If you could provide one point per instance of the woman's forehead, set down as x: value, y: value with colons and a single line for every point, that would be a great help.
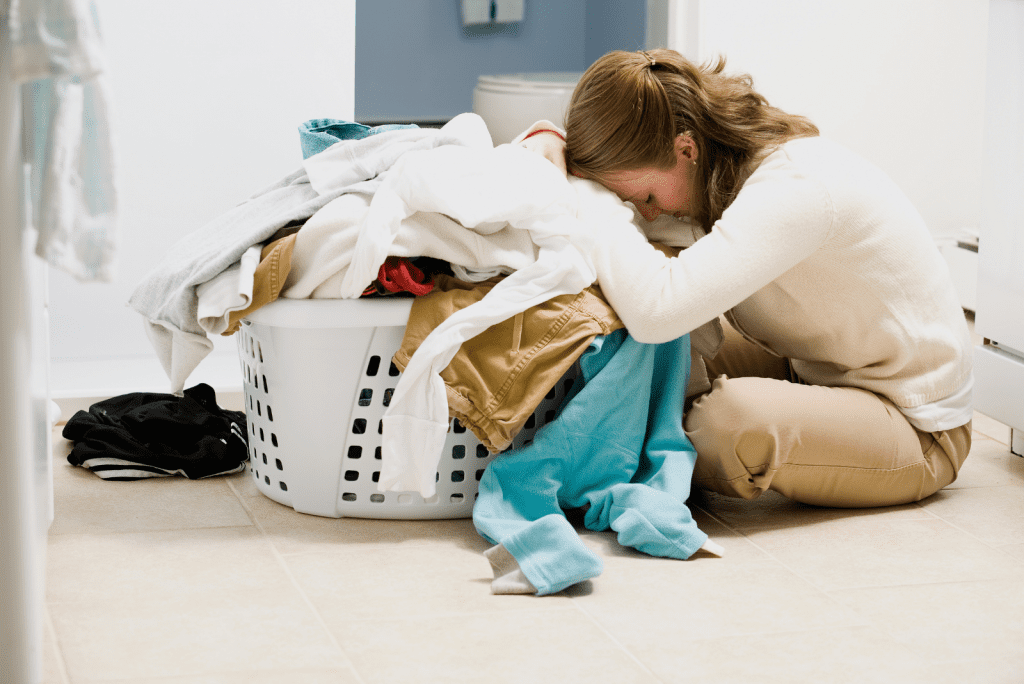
x: 635, y: 180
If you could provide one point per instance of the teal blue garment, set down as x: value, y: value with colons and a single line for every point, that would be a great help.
x: 316, y: 135
x: 616, y: 448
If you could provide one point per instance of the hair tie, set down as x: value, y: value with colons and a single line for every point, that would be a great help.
x: 649, y: 58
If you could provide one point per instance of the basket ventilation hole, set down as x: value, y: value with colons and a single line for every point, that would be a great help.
x: 376, y: 453
x: 380, y: 427
x: 551, y: 394
x: 393, y: 370
x: 266, y: 478
x: 549, y: 416
x: 365, y: 396
x: 259, y: 350
x: 284, y: 487
x: 355, y: 451
x: 458, y: 476
x: 253, y: 426
x: 567, y: 385
x: 264, y: 459
x: 377, y: 498
x: 387, y: 395
x: 251, y: 402
x: 359, y: 426
x: 273, y: 437
x: 530, y: 422
x: 481, y: 451
x: 458, y: 427
x: 259, y: 410
x: 351, y: 475
x: 374, y: 366
x: 278, y: 463
x: 348, y: 496
x: 256, y: 382
x: 270, y: 414
x: 265, y: 388
x: 261, y: 435
x: 376, y: 476
x: 457, y: 498
x: 479, y: 474
x: 459, y: 451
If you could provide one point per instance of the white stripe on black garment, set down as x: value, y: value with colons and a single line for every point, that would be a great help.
x: 119, y: 469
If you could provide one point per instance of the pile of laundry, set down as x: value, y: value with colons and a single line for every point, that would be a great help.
x: 485, y: 238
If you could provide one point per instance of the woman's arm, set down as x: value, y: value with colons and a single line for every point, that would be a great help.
x: 778, y: 219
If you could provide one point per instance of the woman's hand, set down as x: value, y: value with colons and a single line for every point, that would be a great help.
x: 549, y: 145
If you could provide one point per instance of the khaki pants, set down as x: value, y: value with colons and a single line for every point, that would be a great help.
x: 760, y: 428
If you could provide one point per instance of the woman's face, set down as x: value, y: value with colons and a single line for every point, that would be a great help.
x: 654, y: 191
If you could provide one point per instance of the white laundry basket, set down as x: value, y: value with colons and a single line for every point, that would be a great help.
x: 317, y: 378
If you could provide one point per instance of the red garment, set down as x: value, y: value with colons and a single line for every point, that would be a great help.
x: 399, y: 274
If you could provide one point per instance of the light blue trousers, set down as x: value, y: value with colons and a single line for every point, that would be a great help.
x: 617, y: 448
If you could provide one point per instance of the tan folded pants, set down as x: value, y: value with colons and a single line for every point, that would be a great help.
x: 760, y: 428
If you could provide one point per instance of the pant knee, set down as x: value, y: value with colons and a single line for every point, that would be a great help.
x: 734, y: 437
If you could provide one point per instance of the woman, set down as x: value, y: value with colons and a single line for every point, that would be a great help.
x: 845, y: 374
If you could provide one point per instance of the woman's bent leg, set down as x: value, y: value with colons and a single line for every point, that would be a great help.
x: 827, y: 446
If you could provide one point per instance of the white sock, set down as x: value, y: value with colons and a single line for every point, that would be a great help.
x: 508, y: 576
x: 712, y: 547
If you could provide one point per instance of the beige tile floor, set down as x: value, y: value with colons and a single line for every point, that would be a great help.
x: 178, y: 582
x: 172, y: 581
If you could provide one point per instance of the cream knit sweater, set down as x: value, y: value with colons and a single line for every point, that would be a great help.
x: 820, y: 259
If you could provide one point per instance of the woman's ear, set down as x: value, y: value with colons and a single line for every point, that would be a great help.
x: 686, y: 149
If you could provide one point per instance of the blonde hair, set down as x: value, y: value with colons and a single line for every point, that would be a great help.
x: 629, y: 107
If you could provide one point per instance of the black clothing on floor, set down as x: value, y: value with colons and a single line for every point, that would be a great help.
x: 142, y: 435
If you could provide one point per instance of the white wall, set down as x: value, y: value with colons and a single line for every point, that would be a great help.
x: 902, y: 82
x: 208, y: 95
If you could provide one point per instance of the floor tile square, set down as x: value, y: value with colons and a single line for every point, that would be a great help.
x: 947, y: 622
x: 881, y: 551
x: 552, y: 645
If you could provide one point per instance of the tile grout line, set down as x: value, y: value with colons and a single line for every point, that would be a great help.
x: 632, y: 656
x: 282, y: 562
x: 62, y: 666
x: 881, y: 629
x: 800, y: 575
x: 923, y: 508
x: 291, y: 578
x: 993, y: 546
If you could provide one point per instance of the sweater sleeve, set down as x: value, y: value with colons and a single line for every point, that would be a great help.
x: 779, y: 218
